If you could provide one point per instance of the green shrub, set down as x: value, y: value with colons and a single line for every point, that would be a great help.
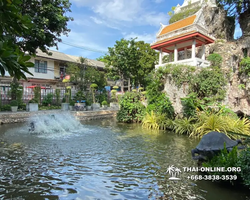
x: 48, y: 99
x: 244, y: 164
x: 210, y: 82
x: 215, y: 59
x: 71, y: 102
x: 14, y: 103
x: 161, y: 105
x: 184, y: 126
x: 6, y: 107
x: 79, y: 96
x: 190, y: 105
x: 131, y: 109
x: 33, y: 100
x: 184, y: 14
x: 245, y: 66
x: 104, y: 103
x: 224, y: 159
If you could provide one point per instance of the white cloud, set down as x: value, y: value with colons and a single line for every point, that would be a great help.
x: 79, y: 40
x: 120, y: 13
x: 148, y: 38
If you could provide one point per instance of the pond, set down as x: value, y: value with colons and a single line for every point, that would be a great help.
x: 99, y: 159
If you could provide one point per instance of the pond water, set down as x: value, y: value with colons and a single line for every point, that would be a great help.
x: 99, y: 160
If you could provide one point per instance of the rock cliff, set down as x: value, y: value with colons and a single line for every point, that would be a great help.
x: 232, y: 51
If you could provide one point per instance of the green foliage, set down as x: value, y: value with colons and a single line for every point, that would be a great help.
x: 113, y: 96
x: 49, y: 107
x: 63, y: 100
x: 244, y: 163
x: 16, y: 91
x: 71, y: 102
x: 6, y: 107
x: 223, y: 159
x: 104, y: 103
x: 57, y: 96
x: 102, y: 96
x: 47, y: 99
x: 37, y: 94
x: 83, y: 75
x: 130, y: 59
x: 131, y: 109
x: 241, y: 86
x: 184, y: 126
x: 245, y: 66
x: 184, y: 14
x: 14, y: 103
x: 210, y: 82
x: 79, y: 96
x: 190, y: 104
x: 33, y: 100
x: 215, y: 59
x: 93, y: 87
x: 161, y: 105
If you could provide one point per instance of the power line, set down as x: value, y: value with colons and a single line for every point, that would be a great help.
x: 85, y: 48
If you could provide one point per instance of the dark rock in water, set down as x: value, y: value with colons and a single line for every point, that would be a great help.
x: 211, y: 144
x: 32, y: 126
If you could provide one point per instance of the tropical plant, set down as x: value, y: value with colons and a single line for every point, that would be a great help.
x: 57, y: 96
x: 230, y: 125
x: 131, y: 109
x: 184, y: 126
x: 37, y: 94
x: 224, y: 159
x: 93, y: 88
x: 190, y: 105
x: 48, y: 99
x: 79, y: 96
x: 150, y: 121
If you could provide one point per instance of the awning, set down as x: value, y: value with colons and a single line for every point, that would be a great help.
x: 33, y: 86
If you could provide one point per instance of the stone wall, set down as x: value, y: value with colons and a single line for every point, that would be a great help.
x: 7, y: 118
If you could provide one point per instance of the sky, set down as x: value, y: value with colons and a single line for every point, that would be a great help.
x: 98, y: 24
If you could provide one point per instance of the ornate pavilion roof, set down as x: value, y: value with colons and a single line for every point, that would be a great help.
x: 191, y: 27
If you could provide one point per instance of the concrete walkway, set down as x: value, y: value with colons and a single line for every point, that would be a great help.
x: 22, y: 116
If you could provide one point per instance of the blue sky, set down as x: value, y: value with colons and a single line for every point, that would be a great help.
x: 99, y: 23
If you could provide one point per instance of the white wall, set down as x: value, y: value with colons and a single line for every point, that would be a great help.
x: 48, y: 75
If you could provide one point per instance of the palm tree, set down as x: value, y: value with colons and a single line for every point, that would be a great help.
x: 171, y: 170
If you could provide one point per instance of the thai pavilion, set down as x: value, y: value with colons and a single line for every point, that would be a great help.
x: 182, y: 38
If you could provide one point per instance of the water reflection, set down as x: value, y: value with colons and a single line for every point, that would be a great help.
x: 101, y: 160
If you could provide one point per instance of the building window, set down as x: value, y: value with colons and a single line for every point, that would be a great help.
x: 41, y: 66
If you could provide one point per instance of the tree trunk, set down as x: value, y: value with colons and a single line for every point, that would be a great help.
x: 122, y: 84
x: 129, y: 87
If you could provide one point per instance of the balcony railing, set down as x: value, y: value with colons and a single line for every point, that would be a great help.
x: 192, y: 62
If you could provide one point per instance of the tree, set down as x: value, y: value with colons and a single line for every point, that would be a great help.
x: 83, y: 75
x: 26, y: 25
x: 146, y: 59
x: 117, y: 61
x: 129, y: 59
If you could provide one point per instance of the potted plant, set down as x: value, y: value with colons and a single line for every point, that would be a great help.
x: 114, y: 104
x: 105, y: 104
x: 93, y: 87
x: 14, y: 105
x: 33, y: 105
x: 88, y: 104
